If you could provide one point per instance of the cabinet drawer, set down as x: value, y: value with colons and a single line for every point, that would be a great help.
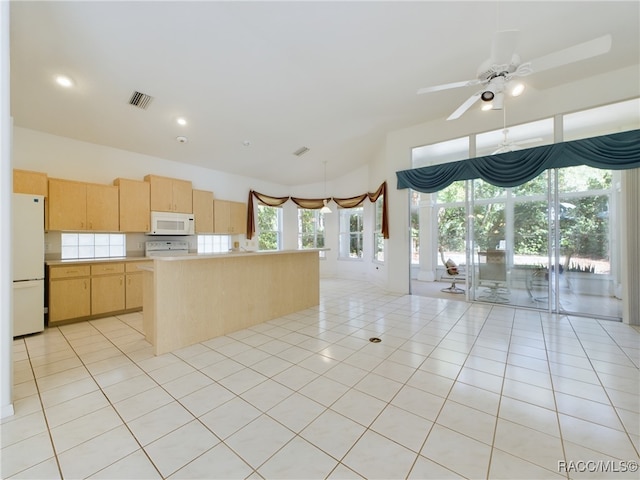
x: 132, y: 267
x: 69, y: 271
x: 107, y: 268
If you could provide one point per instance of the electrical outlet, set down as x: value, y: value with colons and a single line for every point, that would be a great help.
x: 47, y: 247
x: 140, y: 245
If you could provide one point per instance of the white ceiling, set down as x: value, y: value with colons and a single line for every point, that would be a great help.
x: 331, y: 76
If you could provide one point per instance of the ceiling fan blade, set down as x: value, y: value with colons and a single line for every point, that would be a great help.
x: 465, y: 106
x: 447, y: 86
x: 582, y: 51
x: 504, y: 46
x: 529, y: 140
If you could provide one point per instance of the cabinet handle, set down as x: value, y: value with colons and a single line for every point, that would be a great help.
x: 85, y: 284
x: 71, y: 271
x: 120, y: 280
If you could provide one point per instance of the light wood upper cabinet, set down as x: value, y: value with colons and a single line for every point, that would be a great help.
x: 203, y: 211
x: 170, y: 194
x: 82, y: 206
x: 135, y: 205
x: 67, y: 205
x: 182, y: 196
x: 102, y: 208
x: 229, y: 217
x: 238, y: 217
x: 33, y: 183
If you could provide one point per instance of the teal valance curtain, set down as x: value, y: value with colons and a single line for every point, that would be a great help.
x: 618, y: 151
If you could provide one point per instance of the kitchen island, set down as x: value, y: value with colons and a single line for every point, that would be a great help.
x: 193, y: 298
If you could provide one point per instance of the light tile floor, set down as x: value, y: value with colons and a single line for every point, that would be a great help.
x: 453, y: 390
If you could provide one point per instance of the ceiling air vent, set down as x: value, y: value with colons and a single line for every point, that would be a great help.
x: 140, y: 100
x: 301, y: 151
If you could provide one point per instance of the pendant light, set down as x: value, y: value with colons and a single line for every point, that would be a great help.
x: 325, y: 208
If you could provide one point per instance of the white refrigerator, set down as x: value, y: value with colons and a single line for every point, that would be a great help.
x: 28, y: 264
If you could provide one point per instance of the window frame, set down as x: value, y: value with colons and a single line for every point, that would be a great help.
x: 358, y: 234
x: 85, y: 245
x: 378, y: 238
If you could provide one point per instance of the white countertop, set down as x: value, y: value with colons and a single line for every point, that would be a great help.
x: 190, y: 256
x: 241, y: 253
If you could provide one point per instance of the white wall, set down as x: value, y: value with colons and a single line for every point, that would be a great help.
x: 62, y: 157
x: 6, y: 344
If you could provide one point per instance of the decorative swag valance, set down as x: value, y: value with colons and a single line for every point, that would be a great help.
x: 317, y: 203
x: 618, y: 151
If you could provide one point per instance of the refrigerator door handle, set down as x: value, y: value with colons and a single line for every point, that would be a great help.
x: 26, y: 283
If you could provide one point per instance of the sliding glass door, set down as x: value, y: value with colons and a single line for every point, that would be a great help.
x: 587, y: 272
x: 546, y: 244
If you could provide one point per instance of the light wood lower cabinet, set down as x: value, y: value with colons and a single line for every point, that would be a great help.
x: 133, y: 285
x: 93, y: 290
x: 107, y: 288
x: 69, y: 292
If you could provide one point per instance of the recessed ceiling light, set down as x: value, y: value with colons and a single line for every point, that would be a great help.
x: 64, y: 81
x: 181, y: 121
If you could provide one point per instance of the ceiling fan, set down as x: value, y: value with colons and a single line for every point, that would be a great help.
x: 495, y: 73
x: 507, y: 145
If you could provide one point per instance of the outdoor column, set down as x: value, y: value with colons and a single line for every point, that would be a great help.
x: 427, y: 271
x: 630, y: 246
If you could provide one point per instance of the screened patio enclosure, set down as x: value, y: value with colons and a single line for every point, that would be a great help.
x: 538, y: 228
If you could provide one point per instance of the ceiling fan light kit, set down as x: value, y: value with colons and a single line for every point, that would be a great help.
x: 496, y: 73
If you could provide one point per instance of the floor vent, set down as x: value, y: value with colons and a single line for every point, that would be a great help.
x: 140, y: 100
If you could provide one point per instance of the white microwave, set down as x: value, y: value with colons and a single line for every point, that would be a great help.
x: 172, y: 223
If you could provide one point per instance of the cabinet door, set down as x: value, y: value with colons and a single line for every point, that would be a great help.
x: 221, y: 210
x: 34, y: 183
x: 238, y: 217
x: 134, y: 205
x: 67, y: 205
x: 203, y: 211
x: 107, y: 294
x: 133, y: 293
x: 161, y: 193
x: 182, y: 196
x: 102, y: 208
x: 69, y: 298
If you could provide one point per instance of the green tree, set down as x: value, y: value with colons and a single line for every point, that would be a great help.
x: 268, y: 227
